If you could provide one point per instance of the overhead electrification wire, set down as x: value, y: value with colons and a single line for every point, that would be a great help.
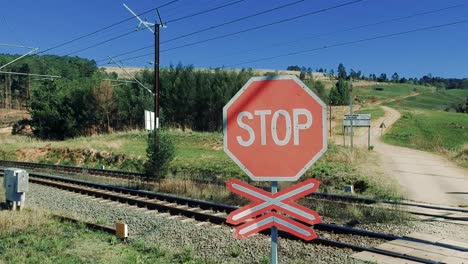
x: 105, y: 28
x: 133, y: 31
x: 351, y: 42
x: 253, y: 28
x: 203, y: 12
x: 210, y: 28
x: 347, y: 29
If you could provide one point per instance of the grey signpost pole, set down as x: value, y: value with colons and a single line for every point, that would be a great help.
x: 274, y: 231
x: 368, y: 137
x: 344, y: 135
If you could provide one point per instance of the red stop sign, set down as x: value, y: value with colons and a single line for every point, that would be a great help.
x: 275, y: 128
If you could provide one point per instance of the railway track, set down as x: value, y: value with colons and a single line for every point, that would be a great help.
x: 425, y: 211
x: 216, y: 213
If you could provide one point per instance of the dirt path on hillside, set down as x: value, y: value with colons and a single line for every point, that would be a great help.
x: 424, y: 177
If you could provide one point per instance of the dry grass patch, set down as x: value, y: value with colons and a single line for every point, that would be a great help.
x: 15, y: 221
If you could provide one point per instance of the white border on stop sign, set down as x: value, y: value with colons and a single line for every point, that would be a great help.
x: 324, y: 127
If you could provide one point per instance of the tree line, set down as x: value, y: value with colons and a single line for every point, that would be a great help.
x: 439, y: 82
x: 86, y: 100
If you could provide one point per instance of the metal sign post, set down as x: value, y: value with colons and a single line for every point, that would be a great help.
x: 357, y: 120
x: 274, y: 231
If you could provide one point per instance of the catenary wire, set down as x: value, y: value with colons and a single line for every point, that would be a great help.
x: 133, y: 31
x: 210, y: 28
x: 350, y: 42
x: 251, y: 29
x: 105, y: 28
x: 346, y: 29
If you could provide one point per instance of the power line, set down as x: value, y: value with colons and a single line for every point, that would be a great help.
x: 351, y: 42
x: 351, y: 29
x: 133, y: 31
x: 210, y: 28
x: 105, y: 41
x: 253, y: 28
x: 30, y: 74
x: 266, y: 25
x: 203, y: 12
x: 105, y: 28
x: 15, y: 46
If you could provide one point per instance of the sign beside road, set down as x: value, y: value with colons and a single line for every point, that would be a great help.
x: 359, y: 120
x: 275, y: 128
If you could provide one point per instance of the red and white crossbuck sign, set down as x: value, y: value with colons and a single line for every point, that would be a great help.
x: 269, y: 205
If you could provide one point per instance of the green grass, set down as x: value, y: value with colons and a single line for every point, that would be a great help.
x: 366, y: 94
x: 198, y: 156
x: 430, y: 130
x: 42, y: 239
x: 375, y: 111
x: 425, y: 126
x: 431, y: 100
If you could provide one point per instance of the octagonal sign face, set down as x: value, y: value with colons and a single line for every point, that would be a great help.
x: 275, y: 128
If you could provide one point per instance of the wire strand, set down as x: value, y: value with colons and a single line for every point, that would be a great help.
x: 350, y: 42
x: 131, y: 32
x: 105, y: 28
x: 253, y: 28
x: 209, y: 28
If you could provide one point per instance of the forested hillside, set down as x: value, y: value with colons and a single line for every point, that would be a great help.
x: 81, y: 99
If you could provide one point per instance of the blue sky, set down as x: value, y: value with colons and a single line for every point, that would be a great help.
x: 441, y: 52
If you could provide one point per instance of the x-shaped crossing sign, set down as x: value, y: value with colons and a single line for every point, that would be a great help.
x: 269, y: 205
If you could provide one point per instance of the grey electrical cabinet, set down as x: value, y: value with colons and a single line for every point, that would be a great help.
x: 15, y: 183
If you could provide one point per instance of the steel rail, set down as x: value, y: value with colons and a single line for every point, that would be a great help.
x: 134, y: 175
x: 116, y: 194
x: 206, y: 205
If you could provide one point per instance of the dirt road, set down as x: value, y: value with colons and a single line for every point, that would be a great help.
x: 424, y: 177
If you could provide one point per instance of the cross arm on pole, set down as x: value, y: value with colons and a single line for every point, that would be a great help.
x: 19, y: 58
x: 130, y: 75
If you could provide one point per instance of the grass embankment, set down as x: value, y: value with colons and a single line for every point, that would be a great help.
x: 201, y: 156
x: 386, y: 91
x: 426, y: 127
x: 198, y: 155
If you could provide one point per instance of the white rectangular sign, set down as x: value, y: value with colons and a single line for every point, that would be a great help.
x: 359, y: 120
x: 149, y: 121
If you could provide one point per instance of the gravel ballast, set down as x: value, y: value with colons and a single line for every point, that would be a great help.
x: 216, y: 243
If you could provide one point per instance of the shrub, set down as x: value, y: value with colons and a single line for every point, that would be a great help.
x: 160, y: 152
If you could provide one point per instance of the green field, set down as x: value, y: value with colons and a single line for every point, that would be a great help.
x: 368, y: 94
x: 431, y: 100
x: 425, y: 126
x: 375, y: 111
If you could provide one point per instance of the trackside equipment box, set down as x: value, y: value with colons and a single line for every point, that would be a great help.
x: 15, y: 183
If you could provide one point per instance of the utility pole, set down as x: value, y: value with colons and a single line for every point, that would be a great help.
x: 351, y: 110
x: 156, y: 75
x: 156, y: 31
x: 330, y: 117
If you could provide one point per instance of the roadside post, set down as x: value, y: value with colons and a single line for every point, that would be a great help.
x: 357, y: 120
x: 351, y: 136
x: 275, y: 128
